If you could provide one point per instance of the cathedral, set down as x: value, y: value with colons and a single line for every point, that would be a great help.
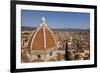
x: 42, y: 44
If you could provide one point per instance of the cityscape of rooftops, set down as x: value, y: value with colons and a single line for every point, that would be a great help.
x: 31, y: 18
x: 66, y: 40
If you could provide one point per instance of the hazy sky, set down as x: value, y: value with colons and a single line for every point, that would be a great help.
x: 56, y: 19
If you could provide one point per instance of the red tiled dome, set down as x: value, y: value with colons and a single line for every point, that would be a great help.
x: 43, y: 38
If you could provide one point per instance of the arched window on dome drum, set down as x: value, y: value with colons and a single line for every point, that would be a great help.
x: 51, y: 53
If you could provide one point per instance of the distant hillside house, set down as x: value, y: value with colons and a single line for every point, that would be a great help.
x: 42, y: 43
